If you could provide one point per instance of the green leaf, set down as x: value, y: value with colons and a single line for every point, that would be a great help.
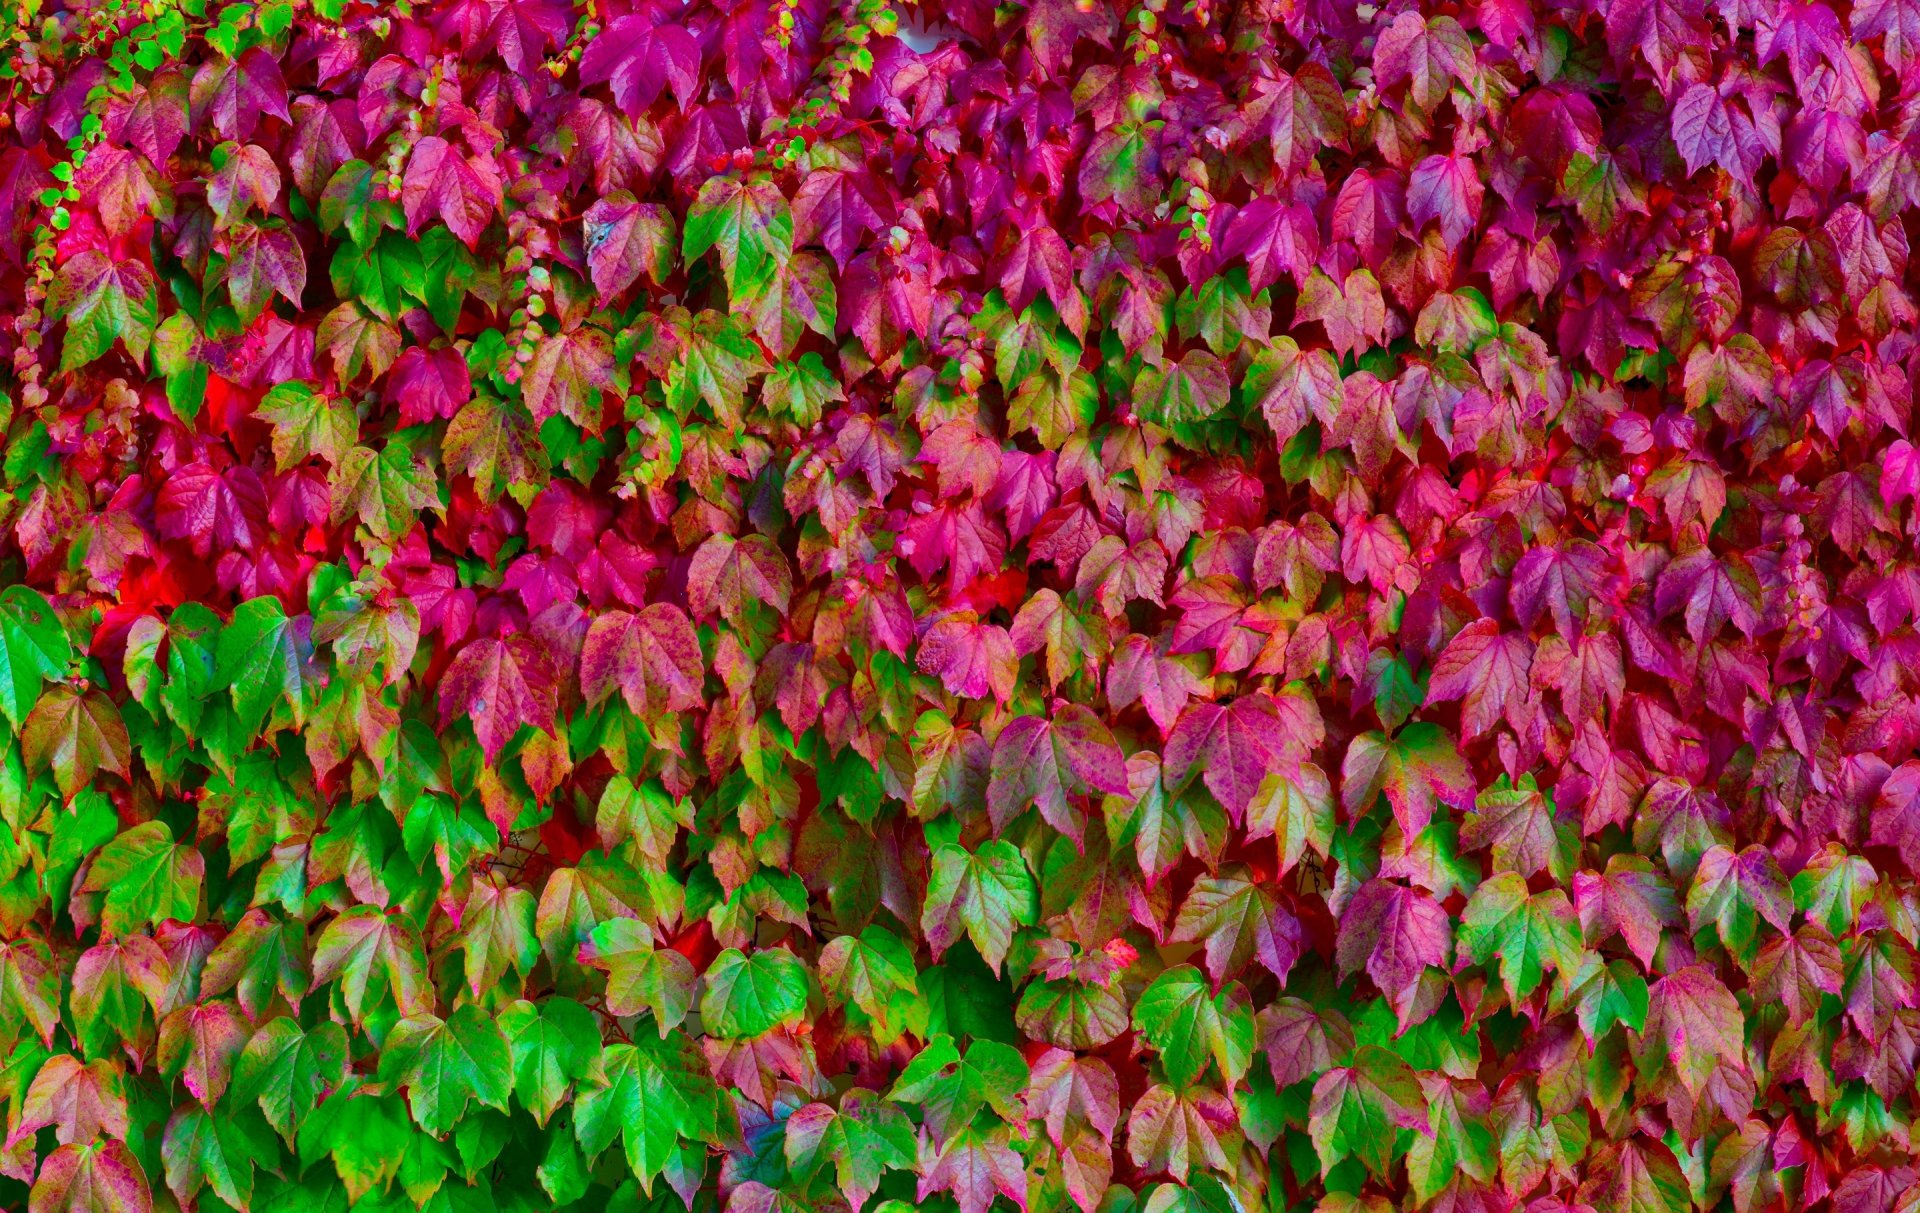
x: 874, y: 971
x: 641, y: 977
x: 34, y: 649
x: 752, y: 995
x: 202, y: 1150
x: 265, y: 659
x: 385, y: 490
x: 1357, y: 1109
x: 864, y: 1138
x: 951, y: 1089
x: 652, y: 1094
x: 554, y: 1043
x: 445, y: 1063
x: 147, y: 879
x: 986, y: 893
x: 1529, y: 934
x: 1188, y: 1023
x: 307, y: 423
x: 373, y: 953
x: 749, y: 223
x: 285, y: 1070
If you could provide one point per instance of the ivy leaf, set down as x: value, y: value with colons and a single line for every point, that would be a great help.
x: 1418, y: 769
x: 641, y: 977
x: 874, y: 971
x: 34, y: 649
x: 652, y: 657
x: 307, y: 423
x: 1734, y: 892
x: 651, y: 1094
x: 864, y: 1138
x: 98, y: 1177
x: 626, y: 238
x: 730, y: 576
x: 146, y: 878
x: 1357, y: 1109
x: 103, y: 301
x: 286, y: 1069
x: 1238, y: 921
x: 462, y: 191
x: 554, y: 1043
x: 385, y: 490
x: 263, y: 260
x: 496, y: 444
x: 374, y: 953
x: 500, y: 684
x: 1189, y: 1024
x: 202, y: 1150
x: 1528, y: 932
x: 952, y: 1089
x: 568, y: 373
x: 1041, y: 763
x: 748, y: 222
x: 986, y: 892
x: 1193, y: 389
x: 445, y: 1063
x: 77, y: 735
x: 752, y: 995
x: 639, y: 58
x: 265, y: 659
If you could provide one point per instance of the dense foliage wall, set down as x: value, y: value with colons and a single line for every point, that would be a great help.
x: 775, y: 606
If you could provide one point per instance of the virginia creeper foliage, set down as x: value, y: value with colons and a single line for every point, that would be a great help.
x: 865, y: 605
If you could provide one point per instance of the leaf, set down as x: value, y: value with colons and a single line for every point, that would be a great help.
x: 1179, y: 1132
x: 569, y: 372
x: 874, y: 971
x: 1698, y: 1023
x: 497, y: 445
x: 373, y: 954
x: 215, y: 1152
x: 1238, y: 921
x: 34, y: 650
x: 462, y: 191
x: 146, y: 879
x: 651, y: 1094
x: 1233, y: 747
x: 554, y: 1043
x: 1189, y: 1024
x: 1418, y: 769
x: 640, y: 58
x: 286, y: 1070
x: 307, y: 423
x: 263, y: 260
x: 103, y: 301
x: 1528, y: 932
x: 446, y: 1063
x: 652, y: 657
x: 1397, y: 935
x: 986, y: 892
x: 729, y: 575
x: 1488, y: 669
x: 384, y: 490
x: 1041, y: 763
x: 863, y: 1138
x: 626, y: 238
x: 1734, y: 892
x: 1193, y: 389
x: 750, y: 224
x: 500, y: 685
x: 265, y: 659
x: 77, y: 735
x: 100, y: 1177
x: 752, y: 995
x: 1356, y: 1109
x: 952, y: 1088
